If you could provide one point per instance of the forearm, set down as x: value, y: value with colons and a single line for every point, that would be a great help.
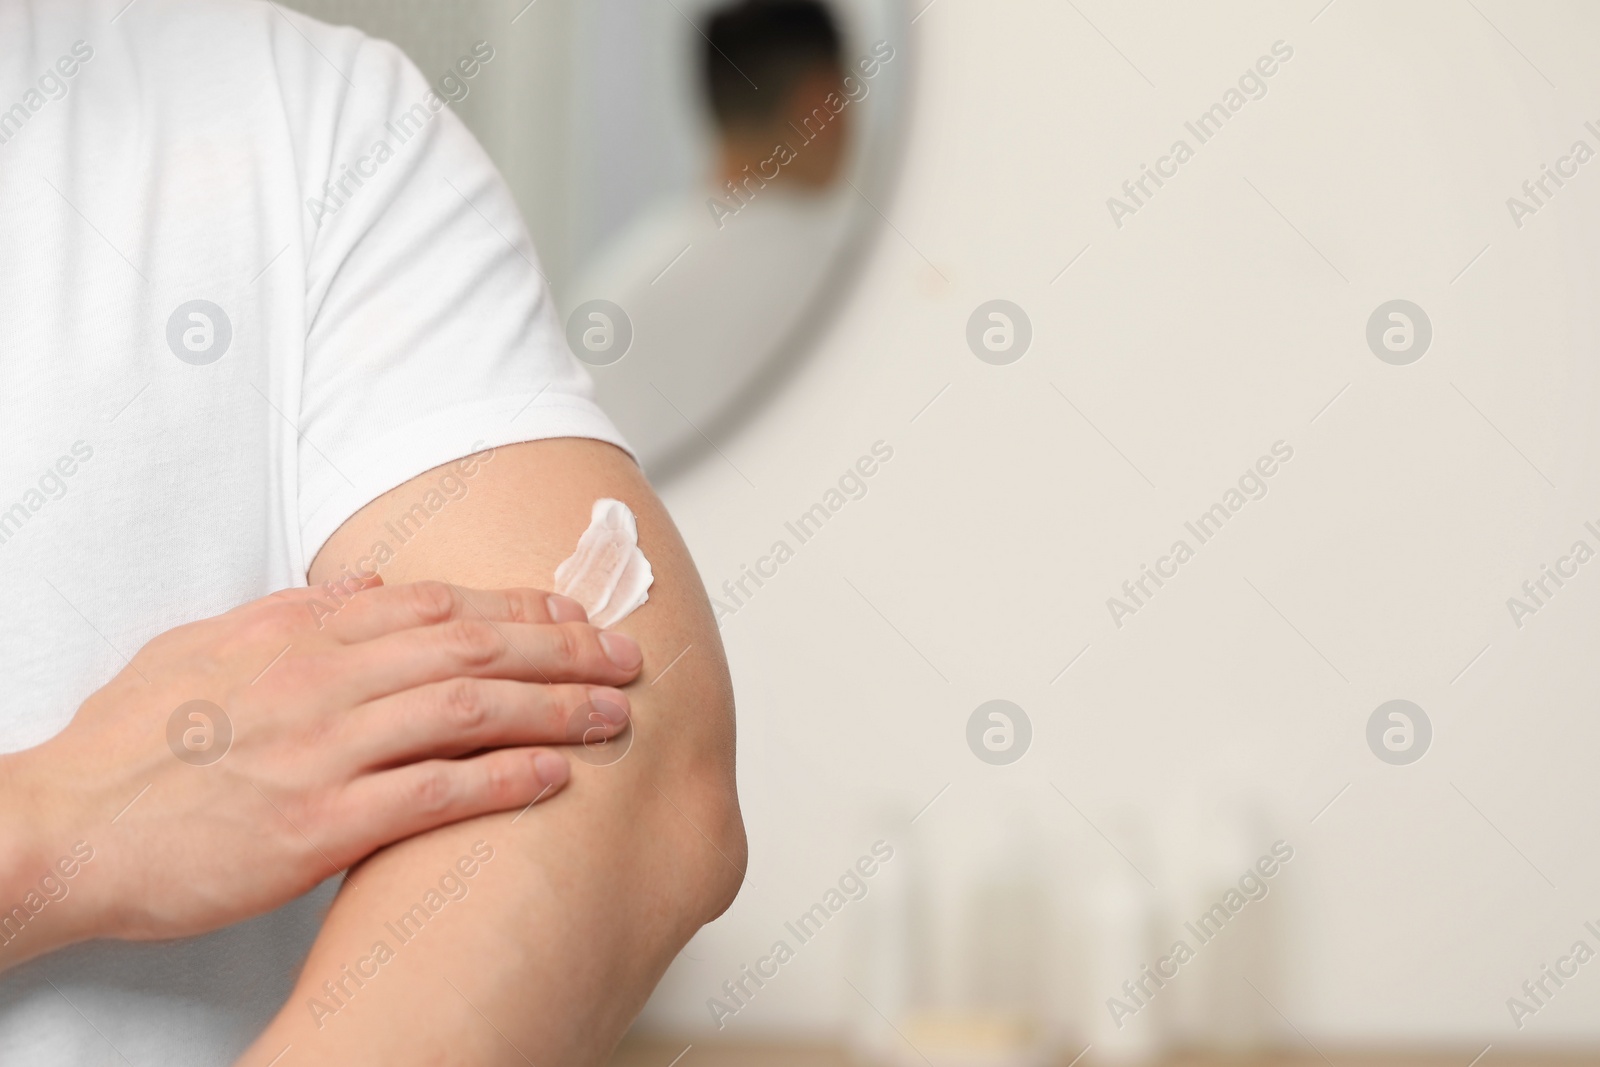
x: 45, y: 867
x: 562, y: 934
x: 569, y: 917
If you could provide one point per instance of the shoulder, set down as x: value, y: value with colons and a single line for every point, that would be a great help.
x: 243, y: 61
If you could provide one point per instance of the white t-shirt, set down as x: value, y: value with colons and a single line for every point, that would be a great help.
x: 210, y: 358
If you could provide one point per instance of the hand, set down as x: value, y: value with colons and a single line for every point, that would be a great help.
x: 328, y: 734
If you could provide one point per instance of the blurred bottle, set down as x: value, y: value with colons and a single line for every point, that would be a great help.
x: 1120, y: 939
x: 971, y: 924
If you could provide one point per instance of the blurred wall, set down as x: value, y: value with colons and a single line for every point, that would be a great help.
x: 632, y: 142
x: 1168, y: 353
x: 519, y: 106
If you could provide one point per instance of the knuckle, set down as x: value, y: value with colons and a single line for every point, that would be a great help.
x: 326, y: 733
x: 583, y: 714
x: 300, y: 670
x: 572, y: 703
x: 524, y: 605
x: 463, y: 705
x: 316, y: 811
x: 473, y: 643
x: 430, y: 792
x: 432, y: 601
x: 505, y: 779
x: 570, y: 644
x: 275, y: 618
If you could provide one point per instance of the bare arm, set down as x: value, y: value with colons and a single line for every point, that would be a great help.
x: 548, y: 948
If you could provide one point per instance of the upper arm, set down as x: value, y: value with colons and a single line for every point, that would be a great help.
x: 430, y: 334
x: 592, y: 892
x: 513, y: 514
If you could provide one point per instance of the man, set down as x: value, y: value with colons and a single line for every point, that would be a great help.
x: 715, y: 279
x: 270, y: 315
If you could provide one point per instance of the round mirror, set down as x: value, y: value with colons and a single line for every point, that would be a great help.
x: 696, y: 175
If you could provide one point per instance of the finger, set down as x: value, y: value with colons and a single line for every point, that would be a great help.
x: 388, y: 609
x: 389, y: 806
x: 474, y: 648
x: 462, y: 715
x: 329, y: 593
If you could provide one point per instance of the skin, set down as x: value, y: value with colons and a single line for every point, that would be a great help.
x: 344, y: 737
x: 587, y: 898
x: 817, y: 162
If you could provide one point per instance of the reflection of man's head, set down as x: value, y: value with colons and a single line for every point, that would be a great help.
x: 775, y: 78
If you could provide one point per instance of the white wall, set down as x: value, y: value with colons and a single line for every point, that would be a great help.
x: 1222, y: 317
x: 1203, y: 330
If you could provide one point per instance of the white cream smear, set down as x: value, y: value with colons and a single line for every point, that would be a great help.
x: 607, y: 573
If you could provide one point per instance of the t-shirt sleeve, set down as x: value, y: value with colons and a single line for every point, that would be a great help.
x: 430, y: 329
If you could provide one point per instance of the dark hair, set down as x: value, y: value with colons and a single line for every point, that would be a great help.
x: 770, y: 43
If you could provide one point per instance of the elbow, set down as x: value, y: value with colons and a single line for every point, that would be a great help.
x: 729, y: 879
x: 719, y: 877
x: 720, y: 872
x: 703, y: 807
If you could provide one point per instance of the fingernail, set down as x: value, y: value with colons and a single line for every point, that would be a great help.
x: 610, y: 706
x: 621, y: 650
x: 565, y: 609
x: 551, y: 768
